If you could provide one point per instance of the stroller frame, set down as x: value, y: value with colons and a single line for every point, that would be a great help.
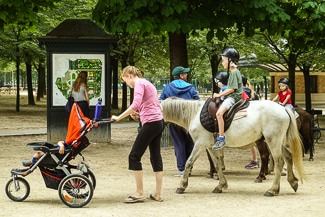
x: 75, y: 189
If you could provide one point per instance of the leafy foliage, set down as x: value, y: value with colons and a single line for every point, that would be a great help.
x: 23, y: 13
x: 155, y: 16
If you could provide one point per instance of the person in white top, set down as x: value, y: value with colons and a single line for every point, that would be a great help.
x: 79, y: 93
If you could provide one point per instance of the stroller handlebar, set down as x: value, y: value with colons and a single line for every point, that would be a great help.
x: 103, y: 121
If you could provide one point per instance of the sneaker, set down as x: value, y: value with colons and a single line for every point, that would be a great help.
x: 221, y: 141
x: 252, y: 165
x: 179, y: 173
x: 26, y: 164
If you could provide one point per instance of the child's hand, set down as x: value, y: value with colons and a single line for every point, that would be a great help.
x: 216, y: 95
x: 61, y: 144
x: 61, y: 151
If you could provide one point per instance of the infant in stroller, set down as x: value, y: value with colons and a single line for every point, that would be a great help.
x: 78, y: 126
x: 61, y: 146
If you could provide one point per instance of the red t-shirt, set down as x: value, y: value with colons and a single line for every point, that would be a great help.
x: 283, y: 96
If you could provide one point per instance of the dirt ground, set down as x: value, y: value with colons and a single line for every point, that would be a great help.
x: 115, y: 182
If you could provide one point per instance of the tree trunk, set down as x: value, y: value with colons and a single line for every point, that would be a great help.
x: 41, y: 87
x: 306, y: 70
x: 292, y: 62
x: 214, y: 68
x: 178, y: 52
x: 17, y: 83
x: 38, y: 94
x: 124, y: 88
x: 114, y: 70
x: 29, y: 84
x: 265, y: 87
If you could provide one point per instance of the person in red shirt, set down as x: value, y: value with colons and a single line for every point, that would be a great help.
x: 284, y: 95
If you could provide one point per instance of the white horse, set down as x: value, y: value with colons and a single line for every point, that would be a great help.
x: 264, y: 119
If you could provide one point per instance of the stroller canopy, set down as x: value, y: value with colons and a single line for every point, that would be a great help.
x: 78, y: 125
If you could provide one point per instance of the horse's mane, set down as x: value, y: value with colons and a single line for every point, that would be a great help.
x: 180, y: 111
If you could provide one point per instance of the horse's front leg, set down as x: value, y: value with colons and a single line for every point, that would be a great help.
x: 197, y: 150
x: 218, y: 157
x: 213, y: 169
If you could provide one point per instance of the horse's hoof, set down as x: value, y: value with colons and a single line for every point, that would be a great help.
x: 268, y: 194
x: 180, y: 190
x: 258, y: 181
x: 210, y: 176
x: 311, y: 159
x: 295, y: 187
x: 217, y: 191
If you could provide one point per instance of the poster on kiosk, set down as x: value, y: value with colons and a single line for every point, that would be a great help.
x: 65, y: 71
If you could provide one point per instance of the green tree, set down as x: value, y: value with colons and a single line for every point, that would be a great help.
x: 300, y: 38
x: 18, y: 17
x: 178, y: 18
x: 24, y: 12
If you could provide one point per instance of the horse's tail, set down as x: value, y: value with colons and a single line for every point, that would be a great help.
x: 295, y: 143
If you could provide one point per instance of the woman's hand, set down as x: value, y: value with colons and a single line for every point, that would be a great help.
x: 215, y: 95
x: 114, y: 117
x: 135, y: 115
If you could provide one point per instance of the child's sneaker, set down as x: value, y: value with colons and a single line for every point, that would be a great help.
x: 179, y: 173
x: 221, y: 141
x: 26, y: 164
x: 252, y: 165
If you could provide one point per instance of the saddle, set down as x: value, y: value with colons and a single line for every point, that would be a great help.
x: 208, y: 113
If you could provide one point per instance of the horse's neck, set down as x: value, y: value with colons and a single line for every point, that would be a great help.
x: 178, y: 122
x: 180, y: 112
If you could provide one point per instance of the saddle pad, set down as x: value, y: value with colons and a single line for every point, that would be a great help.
x: 208, y: 122
x: 206, y: 119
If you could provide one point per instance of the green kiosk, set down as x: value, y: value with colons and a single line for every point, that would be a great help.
x: 77, y: 45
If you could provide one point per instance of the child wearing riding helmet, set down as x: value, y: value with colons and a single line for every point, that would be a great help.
x: 221, y: 80
x: 232, y: 94
x: 284, y: 95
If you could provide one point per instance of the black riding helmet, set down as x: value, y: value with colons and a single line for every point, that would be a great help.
x: 221, y: 76
x: 231, y: 53
x: 284, y: 81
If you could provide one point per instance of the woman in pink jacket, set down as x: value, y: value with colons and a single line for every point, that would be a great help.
x: 146, y: 102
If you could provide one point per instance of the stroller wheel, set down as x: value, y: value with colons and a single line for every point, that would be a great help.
x: 17, y: 189
x: 75, y: 190
x: 90, y: 175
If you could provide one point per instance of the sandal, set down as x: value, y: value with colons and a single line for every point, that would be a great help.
x: 131, y: 199
x: 152, y: 197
